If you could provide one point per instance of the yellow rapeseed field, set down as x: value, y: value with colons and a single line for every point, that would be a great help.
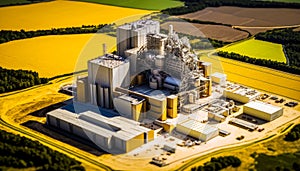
x: 57, y: 14
x: 262, y: 78
x: 54, y: 55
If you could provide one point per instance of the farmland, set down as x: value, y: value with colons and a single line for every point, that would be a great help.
x: 258, y: 49
x: 250, y: 17
x: 58, y: 14
x: 53, y: 55
x: 218, y: 32
x: 262, y: 78
x: 145, y: 4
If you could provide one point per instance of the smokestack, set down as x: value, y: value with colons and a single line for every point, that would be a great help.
x: 104, y: 48
x: 170, y: 29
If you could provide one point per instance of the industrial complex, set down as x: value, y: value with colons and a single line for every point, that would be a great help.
x: 156, y: 84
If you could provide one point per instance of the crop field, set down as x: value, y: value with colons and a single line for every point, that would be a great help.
x: 218, y: 32
x: 258, y: 77
x: 145, y: 4
x: 54, y: 55
x: 57, y: 14
x: 251, y: 17
x: 258, y: 49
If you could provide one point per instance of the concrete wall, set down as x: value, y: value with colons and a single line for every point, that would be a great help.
x: 263, y: 115
x: 196, y: 134
x: 236, y: 97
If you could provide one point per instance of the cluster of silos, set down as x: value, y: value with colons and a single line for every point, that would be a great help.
x: 133, y: 35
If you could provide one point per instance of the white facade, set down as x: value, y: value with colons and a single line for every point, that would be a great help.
x: 263, y: 110
x: 116, y: 135
x: 219, y: 78
x: 133, y: 35
x: 104, y: 75
x: 196, y: 129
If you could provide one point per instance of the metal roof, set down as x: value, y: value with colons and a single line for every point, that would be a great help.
x: 126, y: 128
x: 264, y: 107
x: 198, y: 126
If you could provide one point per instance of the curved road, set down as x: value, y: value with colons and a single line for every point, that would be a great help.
x: 237, y: 147
x: 78, y: 155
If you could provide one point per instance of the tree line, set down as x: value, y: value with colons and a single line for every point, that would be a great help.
x: 196, y: 5
x: 294, y: 134
x: 12, y: 3
x: 11, y: 80
x: 219, y: 163
x: 10, y: 35
x: 20, y: 152
x: 290, y: 40
x: 262, y: 62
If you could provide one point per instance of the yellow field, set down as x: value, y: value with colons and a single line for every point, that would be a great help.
x: 53, y: 55
x: 57, y: 14
x: 266, y: 79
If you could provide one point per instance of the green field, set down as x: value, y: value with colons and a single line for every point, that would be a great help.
x: 257, y: 49
x: 11, y: 2
x: 140, y: 4
x: 296, y: 1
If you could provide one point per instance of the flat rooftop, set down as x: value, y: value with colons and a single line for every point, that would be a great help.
x: 138, y: 24
x: 241, y: 90
x: 198, y: 126
x: 109, y: 60
x: 264, y: 107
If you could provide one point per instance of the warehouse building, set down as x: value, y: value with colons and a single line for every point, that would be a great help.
x: 240, y: 93
x: 263, y: 110
x: 198, y: 130
x: 115, y: 135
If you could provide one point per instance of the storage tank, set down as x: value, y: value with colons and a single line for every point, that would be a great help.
x: 160, y: 61
x: 192, y: 98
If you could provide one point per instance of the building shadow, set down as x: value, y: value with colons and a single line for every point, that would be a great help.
x: 42, y: 112
x: 251, y: 119
x: 64, y: 137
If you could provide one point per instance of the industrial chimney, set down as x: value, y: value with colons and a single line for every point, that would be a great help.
x: 170, y: 29
x: 104, y: 48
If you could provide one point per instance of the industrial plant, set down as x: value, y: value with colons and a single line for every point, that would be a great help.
x: 154, y: 83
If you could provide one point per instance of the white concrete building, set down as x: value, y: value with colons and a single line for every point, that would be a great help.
x: 133, y: 35
x: 104, y: 75
x: 263, y: 110
x: 219, y: 78
x: 115, y: 135
x: 240, y: 93
x: 198, y: 130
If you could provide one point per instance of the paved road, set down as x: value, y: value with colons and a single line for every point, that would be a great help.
x: 236, y: 147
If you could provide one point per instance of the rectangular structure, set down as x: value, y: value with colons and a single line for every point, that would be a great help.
x: 196, y: 129
x: 116, y: 134
x: 263, y: 110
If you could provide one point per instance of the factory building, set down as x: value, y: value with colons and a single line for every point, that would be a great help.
x: 219, y: 78
x: 152, y: 77
x: 198, y: 130
x: 263, y: 110
x: 133, y: 35
x: 217, y: 113
x: 148, y: 61
x: 116, y: 135
x: 240, y: 93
